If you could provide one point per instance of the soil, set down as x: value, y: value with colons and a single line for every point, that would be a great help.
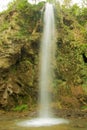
x: 62, y: 113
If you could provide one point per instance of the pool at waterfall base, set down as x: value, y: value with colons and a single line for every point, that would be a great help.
x: 39, y: 122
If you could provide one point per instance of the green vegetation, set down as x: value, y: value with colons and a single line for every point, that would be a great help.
x: 20, y: 35
x: 21, y: 108
x: 84, y: 108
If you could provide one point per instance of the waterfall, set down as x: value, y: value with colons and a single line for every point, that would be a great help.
x: 46, y: 64
x: 46, y: 57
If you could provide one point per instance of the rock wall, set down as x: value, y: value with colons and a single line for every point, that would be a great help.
x: 20, y: 35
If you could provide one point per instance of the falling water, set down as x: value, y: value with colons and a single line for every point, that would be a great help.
x: 46, y: 57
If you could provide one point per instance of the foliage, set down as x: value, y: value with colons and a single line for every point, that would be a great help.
x: 82, y: 16
x: 17, y: 4
x: 21, y: 107
x: 75, y: 10
x: 4, y: 26
x: 84, y: 108
x: 66, y: 3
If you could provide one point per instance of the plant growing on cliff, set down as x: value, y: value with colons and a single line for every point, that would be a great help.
x: 21, y: 107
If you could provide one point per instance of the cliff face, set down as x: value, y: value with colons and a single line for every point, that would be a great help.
x: 71, y: 65
x: 19, y: 48
x: 20, y: 36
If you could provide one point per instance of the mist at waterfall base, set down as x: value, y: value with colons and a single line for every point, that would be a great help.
x: 45, y: 118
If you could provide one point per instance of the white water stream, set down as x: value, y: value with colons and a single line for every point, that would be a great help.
x: 46, y: 57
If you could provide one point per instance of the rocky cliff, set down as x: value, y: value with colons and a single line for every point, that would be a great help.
x: 20, y: 35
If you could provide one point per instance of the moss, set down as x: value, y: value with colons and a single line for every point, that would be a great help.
x: 4, y: 26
